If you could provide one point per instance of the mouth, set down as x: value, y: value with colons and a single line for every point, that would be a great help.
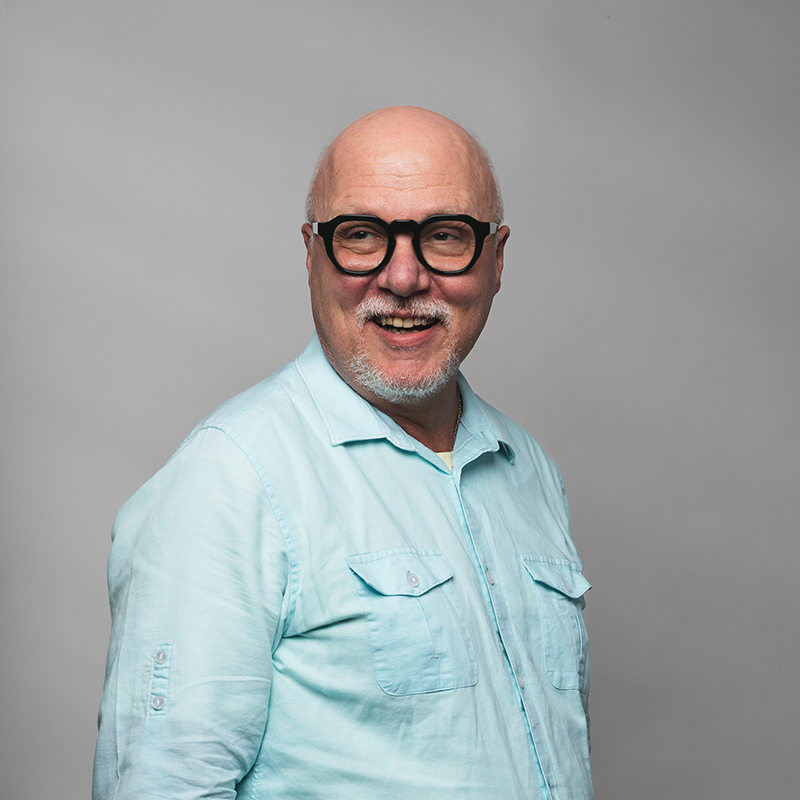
x: 403, y: 325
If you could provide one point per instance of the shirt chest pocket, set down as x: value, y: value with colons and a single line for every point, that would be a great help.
x: 417, y: 632
x: 559, y: 587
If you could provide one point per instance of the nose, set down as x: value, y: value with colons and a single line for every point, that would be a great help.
x: 404, y: 275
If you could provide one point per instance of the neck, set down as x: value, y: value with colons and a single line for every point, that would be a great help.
x: 434, y: 422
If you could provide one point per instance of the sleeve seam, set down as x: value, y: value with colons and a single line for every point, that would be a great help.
x: 280, y: 517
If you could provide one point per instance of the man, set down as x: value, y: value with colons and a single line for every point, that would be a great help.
x: 357, y: 579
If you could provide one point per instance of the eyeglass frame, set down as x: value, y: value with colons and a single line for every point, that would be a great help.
x: 480, y: 229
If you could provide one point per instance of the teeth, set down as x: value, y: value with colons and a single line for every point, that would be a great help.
x: 398, y: 322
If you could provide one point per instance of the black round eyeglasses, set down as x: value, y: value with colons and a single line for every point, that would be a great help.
x: 361, y: 244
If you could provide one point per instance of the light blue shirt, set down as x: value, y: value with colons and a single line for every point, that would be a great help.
x: 306, y: 603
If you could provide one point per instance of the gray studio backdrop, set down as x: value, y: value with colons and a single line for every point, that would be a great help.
x: 155, y: 157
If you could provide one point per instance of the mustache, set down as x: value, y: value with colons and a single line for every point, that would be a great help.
x: 415, y: 307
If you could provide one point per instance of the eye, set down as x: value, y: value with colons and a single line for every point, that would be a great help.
x: 361, y: 234
x: 358, y: 231
x: 359, y: 239
x: 450, y: 233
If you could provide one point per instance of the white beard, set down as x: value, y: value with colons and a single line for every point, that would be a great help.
x: 403, y: 388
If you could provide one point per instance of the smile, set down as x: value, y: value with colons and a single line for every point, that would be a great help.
x: 407, y: 325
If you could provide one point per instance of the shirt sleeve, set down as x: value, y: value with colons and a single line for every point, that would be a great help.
x: 198, y: 577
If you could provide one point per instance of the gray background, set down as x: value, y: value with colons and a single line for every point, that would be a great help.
x: 155, y: 157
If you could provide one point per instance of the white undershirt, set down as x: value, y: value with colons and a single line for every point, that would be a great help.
x: 447, y: 458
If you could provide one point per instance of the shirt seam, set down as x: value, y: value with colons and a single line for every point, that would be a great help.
x: 280, y: 517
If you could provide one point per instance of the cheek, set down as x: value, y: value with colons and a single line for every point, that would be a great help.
x: 334, y: 300
x: 473, y: 299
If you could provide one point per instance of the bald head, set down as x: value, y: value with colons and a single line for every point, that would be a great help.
x: 413, y: 144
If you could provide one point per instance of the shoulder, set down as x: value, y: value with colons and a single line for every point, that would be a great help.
x: 219, y: 450
x: 524, y: 448
x: 266, y: 418
x: 282, y: 392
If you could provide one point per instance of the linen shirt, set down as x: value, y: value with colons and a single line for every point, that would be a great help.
x: 306, y: 603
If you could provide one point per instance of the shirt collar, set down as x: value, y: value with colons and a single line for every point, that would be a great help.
x: 484, y: 433
x: 348, y: 417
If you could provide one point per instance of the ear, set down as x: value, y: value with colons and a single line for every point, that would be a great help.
x: 308, y: 239
x: 502, y: 237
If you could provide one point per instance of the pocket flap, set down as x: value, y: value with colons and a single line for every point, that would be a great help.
x: 402, y: 571
x: 558, y: 574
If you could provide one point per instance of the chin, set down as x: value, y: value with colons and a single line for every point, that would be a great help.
x: 402, y: 388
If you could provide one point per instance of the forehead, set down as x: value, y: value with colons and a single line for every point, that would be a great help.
x: 405, y: 175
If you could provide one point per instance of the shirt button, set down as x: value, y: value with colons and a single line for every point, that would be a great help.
x: 161, y: 656
x: 413, y: 579
x: 569, y: 588
x: 490, y: 577
x: 521, y: 681
x: 159, y: 702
